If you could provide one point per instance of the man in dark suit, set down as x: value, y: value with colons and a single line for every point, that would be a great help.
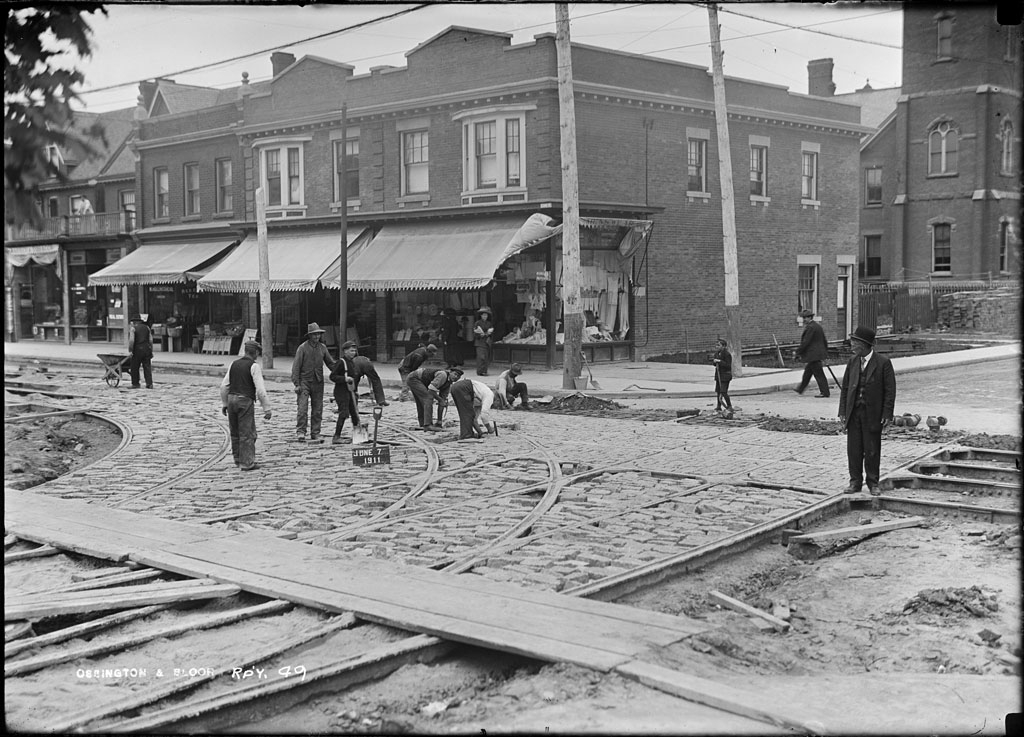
x: 813, y: 350
x: 865, y: 407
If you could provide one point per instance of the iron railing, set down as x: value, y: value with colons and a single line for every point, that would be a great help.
x: 103, y: 223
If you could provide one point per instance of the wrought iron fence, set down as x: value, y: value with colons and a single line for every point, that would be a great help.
x: 104, y: 223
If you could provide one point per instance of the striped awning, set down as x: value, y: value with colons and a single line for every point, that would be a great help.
x: 453, y: 254
x: 297, y: 262
x: 173, y: 263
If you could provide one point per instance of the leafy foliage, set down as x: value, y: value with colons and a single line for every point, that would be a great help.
x: 38, y: 92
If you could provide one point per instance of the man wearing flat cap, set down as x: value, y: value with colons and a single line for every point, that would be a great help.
x: 308, y: 378
x: 348, y: 370
x: 813, y: 351
x: 239, y: 390
x: 865, y: 408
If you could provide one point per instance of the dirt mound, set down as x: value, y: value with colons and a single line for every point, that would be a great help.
x: 39, y: 451
x: 580, y: 401
x: 953, y: 602
x: 991, y: 442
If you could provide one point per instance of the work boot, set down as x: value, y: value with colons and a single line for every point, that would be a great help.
x: 315, y: 439
x: 853, y: 487
x: 300, y: 437
x: 337, y: 440
x: 874, y: 491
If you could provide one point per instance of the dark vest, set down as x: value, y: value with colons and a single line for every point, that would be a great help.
x: 240, y: 378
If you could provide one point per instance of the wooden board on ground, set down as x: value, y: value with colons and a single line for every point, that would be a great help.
x: 537, y: 624
x: 858, y: 531
x: 739, y: 606
x: 106, y: 602
x: 42, y: 551
x: 85, y: 628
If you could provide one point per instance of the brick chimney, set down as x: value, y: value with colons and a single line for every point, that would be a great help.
x: 819, y: 78
x: 281, y: 60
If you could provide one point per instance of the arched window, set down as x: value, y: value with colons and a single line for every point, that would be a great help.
x: 1006, y: 134
x: 943, y: 144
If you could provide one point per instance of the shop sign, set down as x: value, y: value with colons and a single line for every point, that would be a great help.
x: 113, y: 254
x: 76, y: 257
x: 543, y: 276
x: 161, y: 288
x: 373, y: 456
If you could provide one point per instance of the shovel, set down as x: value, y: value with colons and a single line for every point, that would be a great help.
x: 593, y: 384
x: 360, y: 432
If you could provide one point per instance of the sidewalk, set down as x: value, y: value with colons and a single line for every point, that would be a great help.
x: 617, y: 380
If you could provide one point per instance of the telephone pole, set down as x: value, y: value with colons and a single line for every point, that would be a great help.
x: 343, y: 264
x: 266, y: 318
x: 572, y: 310
x: 733, y: 331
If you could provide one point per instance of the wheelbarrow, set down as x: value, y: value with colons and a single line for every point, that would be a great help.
x: 113, y: 365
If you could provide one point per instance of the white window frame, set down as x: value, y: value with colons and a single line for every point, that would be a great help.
x: 503, y: 189
x: 161, y: 199
x: 126, y: 205
x: 940, y: 135
x: 422, y: 165
x: 811, y: 265
x: 697, y: 138
x: 51, y: 152
x: 225, y: 201
x: 281, y: 146
x: 761, y: 145
x: 192, y: 204
x: 52, y: 203
x: 1006, y: 147
x: 810, y: 184
x: 867, y: 255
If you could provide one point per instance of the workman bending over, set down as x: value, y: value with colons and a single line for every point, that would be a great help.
x: 473, y: 400
x: 429, y: 385
x: 508, y: 387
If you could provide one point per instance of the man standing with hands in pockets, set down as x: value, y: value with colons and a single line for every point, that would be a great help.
x: 240, y: 388
x: 865, y: 408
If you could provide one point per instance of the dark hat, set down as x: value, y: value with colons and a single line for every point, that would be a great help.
x: 135, y: 318
x: 483, y: 310
x: 515, y: 369
x: 349, y: 344
x: 864, y: 335
x: 314, y: 328
x: 806, y: 313
x: 431, y: 348
x: 253, y: 344
x: 455, y: 373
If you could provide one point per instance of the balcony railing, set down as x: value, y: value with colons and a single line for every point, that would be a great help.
x: 104, y: 223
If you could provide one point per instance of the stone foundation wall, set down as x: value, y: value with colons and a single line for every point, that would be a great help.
x: 995, y: 311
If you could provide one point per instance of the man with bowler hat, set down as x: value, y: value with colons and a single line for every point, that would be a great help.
x: 308, y: 378
x: 483, y: 333
x: 241, y: 387
x: 813, y: 351
x: 865, y: 408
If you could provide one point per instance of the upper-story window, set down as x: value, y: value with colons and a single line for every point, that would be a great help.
x: 126, y: 203
x: 52, y: 207
x: 282, y: 172
x: 52, y: 155
x: 1006, y: 148
x: 1004, y: 244
x: 225, y: 193
x: 873, y: 186
x: 809, y: 175
x: 942, y: 247
x: 80, y: 205
x: 493, y: 153
x: 943, y: 145
x: 872, y: 263
x: 944, y: 37
x: 191, y: 180
x: 161, y: 190
x: 696, y: 165
x: 759, y: 170
x: 346, y: 168
x: 415, y: 162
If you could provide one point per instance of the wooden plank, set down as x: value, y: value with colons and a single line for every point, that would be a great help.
x: 858, y: 531
x: 16, y: 630
x: 102, y: 582
x: 719, y: 696
x: 151, y: 695
x: 490, y: 636
x: 739, y: 606
x: 98, y: 573
x: 373, y: 663
x: 34, y: 610
x: 79, y: 630
x: 41, y: 552
x: 140, y: 589
x: 9, y: 540
x: 29, y: 665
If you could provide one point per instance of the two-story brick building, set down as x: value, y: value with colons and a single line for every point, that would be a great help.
x: 940, y: 177
x: 453, y: 177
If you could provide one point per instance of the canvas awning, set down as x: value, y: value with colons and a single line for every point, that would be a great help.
x: 173, y: 263
x: 629, y: 234
x: 297, y: 263
x: 18, y: 256
x: 454, y: 254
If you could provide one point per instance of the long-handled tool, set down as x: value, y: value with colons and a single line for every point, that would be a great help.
x: 593, y: 384
x: 778, y: 352
x: 360, y: 432
x: 838, y: 385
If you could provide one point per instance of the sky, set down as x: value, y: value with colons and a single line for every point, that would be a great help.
x: 140, y: 41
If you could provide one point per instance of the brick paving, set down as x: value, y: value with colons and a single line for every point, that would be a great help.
x: 175, y: 466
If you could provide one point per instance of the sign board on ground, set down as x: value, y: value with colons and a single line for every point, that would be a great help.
x: 371, y: 456
x: 250, y: 334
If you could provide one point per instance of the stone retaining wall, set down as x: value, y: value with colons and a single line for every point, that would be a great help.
x: 994, y: 310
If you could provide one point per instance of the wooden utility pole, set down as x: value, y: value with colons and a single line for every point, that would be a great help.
x: 733, y: 329
x: 343, y: 264
x: 266, y: 318
x: 572, y: 310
